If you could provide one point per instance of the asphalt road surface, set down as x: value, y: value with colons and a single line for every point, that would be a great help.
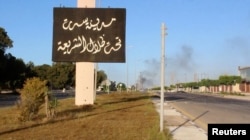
x: 204, y: 109
x: 9, y: 99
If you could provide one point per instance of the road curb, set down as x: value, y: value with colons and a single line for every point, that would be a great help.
x: 198, y: 123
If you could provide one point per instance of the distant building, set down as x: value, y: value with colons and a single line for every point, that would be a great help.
x: 245, y: 76
x: 244, y: 73
x: 243, y: 87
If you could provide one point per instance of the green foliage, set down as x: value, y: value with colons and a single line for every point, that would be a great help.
x: 223, y: 80
x: 208, y: 82
x: 159, y: 88
x: 29, y: 72
x: 59, y: 75
x: 62, y: 75
x: 229, y: 80
x: 42, y: 71
x: 51, y: 104
x: 101, y: 76
x: 32, y: 97
x: 121, y: 87
x: 5, y: 41
x: 12, y: 72
x: 214, y: 83
x: 112, y: 86
x: 192, y: 84
x: 156, y: 88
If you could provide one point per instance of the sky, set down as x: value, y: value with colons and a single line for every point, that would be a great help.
x: 205, y: 38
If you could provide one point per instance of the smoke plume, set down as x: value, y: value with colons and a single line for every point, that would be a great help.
x: 175, y: 68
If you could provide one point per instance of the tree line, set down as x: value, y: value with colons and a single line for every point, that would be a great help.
x: 222, y: 80
x: 14, y: 72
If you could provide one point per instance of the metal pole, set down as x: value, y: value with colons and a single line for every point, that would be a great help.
x: 162, y: 76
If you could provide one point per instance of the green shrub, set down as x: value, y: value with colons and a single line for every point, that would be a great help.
x: 32, y: 97
x: 51, y: 103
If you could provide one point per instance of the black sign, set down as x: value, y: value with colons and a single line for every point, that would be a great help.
x: 89, y: 35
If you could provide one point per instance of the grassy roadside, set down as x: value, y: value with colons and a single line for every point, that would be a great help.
x: 128, y: 116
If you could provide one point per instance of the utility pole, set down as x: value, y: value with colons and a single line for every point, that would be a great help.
x: 163, y: 34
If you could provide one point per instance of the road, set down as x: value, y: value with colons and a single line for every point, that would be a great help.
x: 10, y: 99
x: 204, y: 109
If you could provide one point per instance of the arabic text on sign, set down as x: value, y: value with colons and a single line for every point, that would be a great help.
x: 89, y: 24
x: 89, y: 45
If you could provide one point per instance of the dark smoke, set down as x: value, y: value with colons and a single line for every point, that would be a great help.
x: 176, y: 66
x: 182, y: 65
x: 184, y: 59
x: 239, y: 47
x: 148, y: 77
